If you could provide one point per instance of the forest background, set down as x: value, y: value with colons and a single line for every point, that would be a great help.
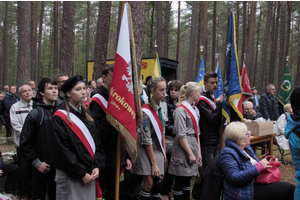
x: 41, y: 39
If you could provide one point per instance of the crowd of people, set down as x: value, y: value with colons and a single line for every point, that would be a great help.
x: 67, y: 149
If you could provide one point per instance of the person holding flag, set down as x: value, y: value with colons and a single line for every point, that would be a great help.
x: 76, y: 144
x: 210, y: 109
x: 151, y: 140
x: 186, y: 152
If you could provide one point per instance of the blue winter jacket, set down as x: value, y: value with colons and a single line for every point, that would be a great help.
x: 238, y: 171
x: 292, y: 133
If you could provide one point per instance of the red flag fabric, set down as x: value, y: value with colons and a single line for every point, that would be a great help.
x: 121, y: 106
x: 245, y: 85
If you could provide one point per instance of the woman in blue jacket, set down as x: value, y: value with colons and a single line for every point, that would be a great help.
x: 240, y: 167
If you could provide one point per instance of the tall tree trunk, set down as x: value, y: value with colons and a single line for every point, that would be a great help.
x: 87, y: 43
x: 237, y: 22
x: 67, y: 38
x: 178, y: 32
x: 119, y: 21
x: 166, y: 28
x: 101, y: 43
x: 297, y: 74
x: 214, y: 32
x: 190, y: 74
x: 250, y: 43
x: 159, y: 33
x: 33, y: 38
x: 40, y: 40
x: 204, y: 33
x: 138, y: 11
x: 244, y: 29
x: 288, y: 32
x: 5, y: 47
x: 265, y: 45
x: 23, y: 42
x: 55, y: 35
x: 281, y: 65
x: 198, y: 44
x: 151, y: 51
x: 274, y: 47
x: 257, y: 49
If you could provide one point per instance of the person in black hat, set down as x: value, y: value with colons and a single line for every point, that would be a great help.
x: 76, y: 140
x: 34, y: 140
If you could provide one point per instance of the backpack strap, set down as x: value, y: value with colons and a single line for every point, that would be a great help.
x: 40, y: 114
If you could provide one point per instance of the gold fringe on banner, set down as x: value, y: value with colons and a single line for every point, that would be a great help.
x: 129, y: 142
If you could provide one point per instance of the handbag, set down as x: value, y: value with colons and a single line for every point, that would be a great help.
x: 270, y: 174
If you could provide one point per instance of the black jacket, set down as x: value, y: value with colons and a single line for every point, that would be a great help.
x: 7, y: 102
x: 35, y: 135
x: 210, y: 121
x: 108, y: 134
x: 170, y: 123
x: 269, y: 107
x: 69, y: 153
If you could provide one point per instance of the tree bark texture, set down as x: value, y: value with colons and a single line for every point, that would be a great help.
x: 40, y: 40
x: 166, y: 28
x: 274, y: 47
x: 178, y: 32
x: 138, y: 19
x: 190, y: 75
x: 5, y: 47
x: 24, y: 55
x: 33, y: 38
x: 151, y: 49
x: 159, y: 23
x: 55, y: 32
x: 101, y: 44
x: 87, y: 40
x: 282, y: 40
x: 250, y: 43
x: 265, y: 45
x: 204, y: 34
x: 256, y: 51
x: 67, y: 38
x: 199, y: 34
x: 244, y: 42
x: 214, y: 32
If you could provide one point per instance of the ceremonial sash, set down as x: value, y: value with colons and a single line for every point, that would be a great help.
x: 81, y: 131
x: 154, y: 118
x: 193, y: 115
x: 209, y: 102
x: 79, y: 128
x: 101, y: 101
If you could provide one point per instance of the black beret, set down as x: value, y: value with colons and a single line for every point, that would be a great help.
x: 71, y: 82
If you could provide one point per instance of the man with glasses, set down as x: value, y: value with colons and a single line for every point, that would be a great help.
x: 269, y: 104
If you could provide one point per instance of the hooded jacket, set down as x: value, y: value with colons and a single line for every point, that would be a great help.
x: 34, y: 139
x: 292, y: 133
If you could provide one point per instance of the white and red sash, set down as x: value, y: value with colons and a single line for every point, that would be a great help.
x: 209, y: 102
x: 154, y: 118
x: 195, y: 119
x: 101, y: 101
x: 79, y: 128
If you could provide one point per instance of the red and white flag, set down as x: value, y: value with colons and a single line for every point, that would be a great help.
x: 245, y: 83
x: 123, y: 107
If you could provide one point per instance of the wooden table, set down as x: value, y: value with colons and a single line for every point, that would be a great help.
x: 265, y: 138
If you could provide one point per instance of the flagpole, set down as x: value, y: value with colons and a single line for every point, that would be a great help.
x: 223, y: 118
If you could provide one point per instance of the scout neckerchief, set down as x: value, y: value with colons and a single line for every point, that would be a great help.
x: 209, y: 102
x: 81, y: 131
x: 101, y: 101
x: 155, y: 120
x: 195, y: 119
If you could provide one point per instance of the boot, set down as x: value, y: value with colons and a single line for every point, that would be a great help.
x: 145, y: 195
x: 177, y: 195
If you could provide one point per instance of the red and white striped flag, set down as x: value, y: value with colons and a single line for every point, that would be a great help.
x: 123, y: 107
x: 245, y: 83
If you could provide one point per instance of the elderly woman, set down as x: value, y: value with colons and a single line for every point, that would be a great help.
x: 281, y: 124
x: 240, y: 167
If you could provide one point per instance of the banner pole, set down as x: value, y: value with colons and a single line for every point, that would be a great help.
x: 118, y: 167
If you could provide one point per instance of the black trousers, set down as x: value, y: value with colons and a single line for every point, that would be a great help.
x: 168, y: 179
x: 7, y: 126
x: 208, y: 153
x: 11, y: 171
x: 107, y: 179
x: 274, y: 191
x: 131, y: 186
x: 43, y: 183
x: 25, y: 176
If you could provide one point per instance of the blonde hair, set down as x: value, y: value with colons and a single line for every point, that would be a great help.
x: 83, y: 110
x: 236, y: 131
x: 187, y: 90
x: 286, y: 107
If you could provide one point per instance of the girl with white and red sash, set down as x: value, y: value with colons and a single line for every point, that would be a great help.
x: 150, y: 141
x: 186, y: 152
x: 78, y: 152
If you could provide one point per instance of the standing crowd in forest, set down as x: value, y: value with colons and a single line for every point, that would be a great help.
x: 66, y: 148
